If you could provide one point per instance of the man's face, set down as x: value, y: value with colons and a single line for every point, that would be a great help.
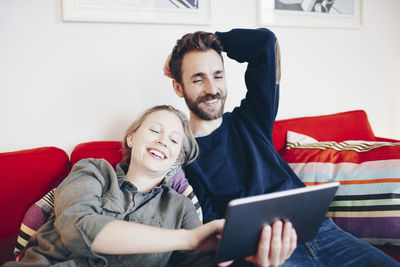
x: 203, y: 83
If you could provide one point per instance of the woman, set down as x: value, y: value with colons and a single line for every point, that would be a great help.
x: 104, y: 217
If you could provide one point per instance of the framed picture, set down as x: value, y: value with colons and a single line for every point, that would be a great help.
x: 310, y: 13
x: 137, y: 11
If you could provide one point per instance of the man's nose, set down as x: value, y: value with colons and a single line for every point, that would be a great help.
x: 211, y: 88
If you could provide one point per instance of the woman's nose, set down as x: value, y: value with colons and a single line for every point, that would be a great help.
x: 162, y: 141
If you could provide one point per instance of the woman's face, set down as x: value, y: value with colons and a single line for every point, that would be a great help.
x: 156, y: 144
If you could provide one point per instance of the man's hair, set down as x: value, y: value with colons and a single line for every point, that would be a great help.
x: 190, y: 148
x: 197, y: 41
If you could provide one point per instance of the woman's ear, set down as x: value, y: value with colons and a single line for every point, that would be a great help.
x: 178, y: 88
x: 129, y: 140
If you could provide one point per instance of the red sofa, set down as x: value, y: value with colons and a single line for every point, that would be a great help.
x: 27, y: 175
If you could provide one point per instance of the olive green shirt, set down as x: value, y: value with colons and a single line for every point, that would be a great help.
x: 93, y: 195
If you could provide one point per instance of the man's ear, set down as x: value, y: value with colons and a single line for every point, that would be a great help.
x: 178, y: 88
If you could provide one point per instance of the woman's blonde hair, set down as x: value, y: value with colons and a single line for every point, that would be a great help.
x: 190, y: 148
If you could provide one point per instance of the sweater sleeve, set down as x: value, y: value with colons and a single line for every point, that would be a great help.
x: 78, y: 206
x: 260, y: 49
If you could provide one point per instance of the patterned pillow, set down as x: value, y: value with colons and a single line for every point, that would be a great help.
x: 367, y: 204
x: 36, y: 215
x: 39, y: 212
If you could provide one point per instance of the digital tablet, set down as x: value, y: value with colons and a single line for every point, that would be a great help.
x: 304, y: 207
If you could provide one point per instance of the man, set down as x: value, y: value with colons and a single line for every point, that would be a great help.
x: 237, y: 157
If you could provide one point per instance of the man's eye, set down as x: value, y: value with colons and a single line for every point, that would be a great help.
x: 219, y: 77
x: 197, y: 81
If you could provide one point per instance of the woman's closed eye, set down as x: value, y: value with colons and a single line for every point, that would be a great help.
x: 175, y: 139
x: 154, y: 130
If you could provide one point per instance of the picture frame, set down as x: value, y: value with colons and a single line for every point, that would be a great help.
x: 138, y: 11
x: 347, y: 14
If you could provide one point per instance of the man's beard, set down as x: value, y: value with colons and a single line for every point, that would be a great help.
x: 194, y: 106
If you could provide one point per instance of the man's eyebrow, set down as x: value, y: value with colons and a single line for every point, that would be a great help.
x: 199, y: 74
x: 202, y: 74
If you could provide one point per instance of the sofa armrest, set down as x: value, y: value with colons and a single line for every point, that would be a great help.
x: 26, y: 176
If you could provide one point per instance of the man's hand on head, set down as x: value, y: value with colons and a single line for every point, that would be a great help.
x: 167, y: 71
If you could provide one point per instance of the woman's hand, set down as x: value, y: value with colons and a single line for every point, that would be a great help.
x: 205, y: 238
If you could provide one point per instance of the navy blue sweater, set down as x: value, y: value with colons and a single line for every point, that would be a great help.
x: 239, y: 159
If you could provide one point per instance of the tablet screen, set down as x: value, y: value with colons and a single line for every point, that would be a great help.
x: 304, y: 207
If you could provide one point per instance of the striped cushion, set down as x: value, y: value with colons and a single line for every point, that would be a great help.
x: 36, y: 215
x: 367, y: 203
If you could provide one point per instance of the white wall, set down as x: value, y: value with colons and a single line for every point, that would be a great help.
x: 66, y: 83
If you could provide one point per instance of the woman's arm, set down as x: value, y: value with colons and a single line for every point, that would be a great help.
x: 181, y: 258
x: 78, y: 208
x: 84, y: 229
x: 121, y: 237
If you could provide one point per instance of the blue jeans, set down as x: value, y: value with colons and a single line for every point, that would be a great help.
x: 337, y: 248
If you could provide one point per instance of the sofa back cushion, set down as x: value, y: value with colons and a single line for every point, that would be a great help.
x: 108, y: 150
x: 334, y: 127
x: 26, y: 176
x: 350, y: 125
